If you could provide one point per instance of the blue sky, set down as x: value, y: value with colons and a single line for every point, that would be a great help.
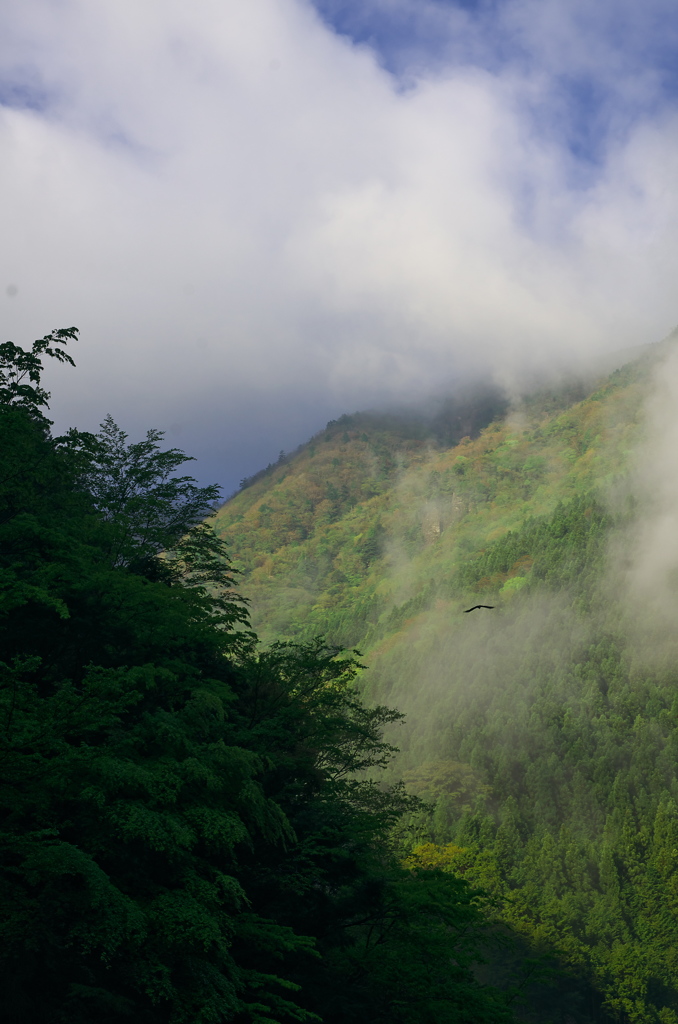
x: 262, y: 215
x: 601, y: 66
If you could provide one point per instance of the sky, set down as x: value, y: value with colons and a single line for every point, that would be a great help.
x: 261, y: 215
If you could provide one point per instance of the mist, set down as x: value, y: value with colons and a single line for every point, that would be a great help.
x: 642, y: 571
x: 258, y: 222
x: 585, y: 646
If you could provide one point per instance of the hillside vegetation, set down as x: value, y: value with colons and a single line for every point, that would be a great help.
x: 365, y: 527
x: 542, y: 733
x: 189, y: 828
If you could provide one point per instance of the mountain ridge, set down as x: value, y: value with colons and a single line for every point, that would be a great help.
x: 543, y: 733
x: 353, y: 490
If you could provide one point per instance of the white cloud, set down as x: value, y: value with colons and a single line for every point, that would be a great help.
x: 247, y: 217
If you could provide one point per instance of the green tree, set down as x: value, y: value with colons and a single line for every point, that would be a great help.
x: 185, y: 822
x: 135, y: 489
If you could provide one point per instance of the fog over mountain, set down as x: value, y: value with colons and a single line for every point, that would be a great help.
x: 263, y: 215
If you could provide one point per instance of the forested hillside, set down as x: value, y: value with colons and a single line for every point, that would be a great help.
x: 543, y: 731
x: 193, y: 827
x: 202, y: 817
x: 366, y: 524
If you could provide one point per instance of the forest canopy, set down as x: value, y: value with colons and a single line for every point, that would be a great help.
x: 544, y: 731
x: 194, y: 827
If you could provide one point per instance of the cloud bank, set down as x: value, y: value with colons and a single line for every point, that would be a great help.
x: 257, y: 225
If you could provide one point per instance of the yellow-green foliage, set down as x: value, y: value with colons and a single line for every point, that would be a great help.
x: 429, y: 856
x: 545, y: 746
x: 360, y: 530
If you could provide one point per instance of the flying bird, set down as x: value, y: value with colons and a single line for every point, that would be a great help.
x: 467, y: 610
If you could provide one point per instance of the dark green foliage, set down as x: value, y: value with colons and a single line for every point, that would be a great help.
x: 189, y: 828
x: 564, y: 548
x: 410, y: 958
x: 134, y: 490
x: 117, y: 798
x: 544, y: 732
x: 20, y: 370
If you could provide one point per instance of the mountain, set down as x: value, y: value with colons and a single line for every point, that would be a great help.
x: 375, y: 516
x: 192, y: 826
x: 542, y: 731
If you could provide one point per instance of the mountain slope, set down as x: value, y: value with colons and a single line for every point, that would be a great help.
x: 544, y: 731
x: 364, y: 525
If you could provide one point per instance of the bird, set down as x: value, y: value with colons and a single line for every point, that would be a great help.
x: 467, y: 610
